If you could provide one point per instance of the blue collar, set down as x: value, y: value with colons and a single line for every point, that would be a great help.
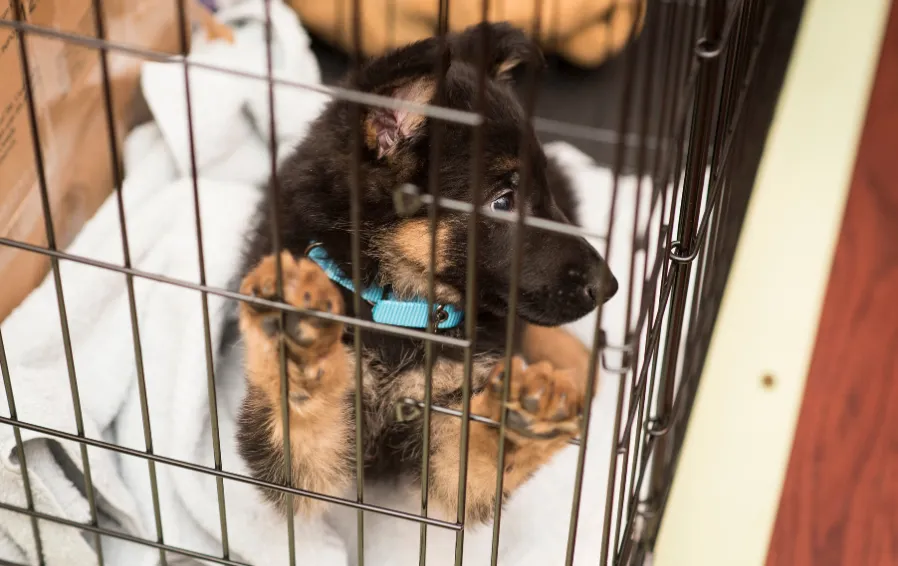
x: 385, y: 307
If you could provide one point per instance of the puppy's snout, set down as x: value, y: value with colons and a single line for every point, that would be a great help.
x: 594, y: 277
x: 596, y: 283
x: 602, y: 288
x: 566, y: 282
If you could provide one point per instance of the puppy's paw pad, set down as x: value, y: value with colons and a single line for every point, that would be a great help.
x: 306, y: 286
x: 312, y: 289
x: 261, y: 282
x: 543, y: 402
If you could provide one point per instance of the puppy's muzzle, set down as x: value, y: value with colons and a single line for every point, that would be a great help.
x: 601, y: 287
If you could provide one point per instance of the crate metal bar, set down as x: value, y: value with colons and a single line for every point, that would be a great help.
x: 542, y: 125
x: 664, y: 425
x: 117, y: 179
x: 340, y: 93
x: 274, y: 195
x: 672, y: 174
x: 516, y: 265
x: 714, y: 192
x: 20, y: 450
x: 707, y: 50
x: 646, y: 375
x: 386, y: 329
x: 230, y: 475
x: 97, y: 531
x: 436, y: 148
x: 594, y: 134
x: 645, y: 111
x: 717, y: 187
x: 653, y: 340
x: 184, y: 38
x: 717, y: 184
x: 477, y: 168
x: 650, y: 282
x: 54, y: 265
x: 619, y: 157
x: 729, y: 97
x: 511, y: 218
x: 674, y: 95
x: 633, y: 508
x: 356, y: 186
x: 445, y: 411
x: 701, y: 248
x: 760, y: 21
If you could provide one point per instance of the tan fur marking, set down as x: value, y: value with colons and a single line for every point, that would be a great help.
x: 413, y: 240
x: 370, y: 135
x: 405, y: 259
x: 506, y: 66
x: 556, y: 346
x: 320, y: 432
x: 557, y: 392
x: 506, y: 164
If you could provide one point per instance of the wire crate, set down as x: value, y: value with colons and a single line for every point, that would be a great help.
x: 680, y: 133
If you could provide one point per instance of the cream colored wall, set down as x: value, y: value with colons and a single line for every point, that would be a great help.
x: 726, y: 492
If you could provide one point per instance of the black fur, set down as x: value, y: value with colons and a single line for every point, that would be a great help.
x: 255, y: 447
x: 558, y: 273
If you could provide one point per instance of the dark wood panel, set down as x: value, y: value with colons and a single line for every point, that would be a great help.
x: 839, y: 504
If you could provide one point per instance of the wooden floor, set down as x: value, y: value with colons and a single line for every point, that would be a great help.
x: 840, y: 499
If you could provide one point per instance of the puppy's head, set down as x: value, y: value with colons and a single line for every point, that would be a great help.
x: 562, y: 277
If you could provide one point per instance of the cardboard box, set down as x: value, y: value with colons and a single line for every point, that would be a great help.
x: 72, y: 122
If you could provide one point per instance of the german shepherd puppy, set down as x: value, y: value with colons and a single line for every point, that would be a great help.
x: 562, y: 279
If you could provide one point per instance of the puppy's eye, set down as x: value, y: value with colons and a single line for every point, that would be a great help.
x: 504, y: 202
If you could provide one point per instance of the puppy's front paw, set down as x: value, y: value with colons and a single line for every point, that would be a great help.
x: 309, y: 340
x: 543, y: 402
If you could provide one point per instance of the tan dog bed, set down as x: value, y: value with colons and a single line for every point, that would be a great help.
x: 585, y: 32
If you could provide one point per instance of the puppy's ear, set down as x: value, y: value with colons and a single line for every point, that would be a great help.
x: 505, y: 47
x: 387, y: 128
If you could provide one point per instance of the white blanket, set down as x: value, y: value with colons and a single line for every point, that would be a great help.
x: 230, y: 118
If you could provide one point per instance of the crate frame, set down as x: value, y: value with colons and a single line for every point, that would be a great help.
x: 712, y: 52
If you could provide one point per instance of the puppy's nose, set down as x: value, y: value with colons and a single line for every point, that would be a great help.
x: 602, y: 288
